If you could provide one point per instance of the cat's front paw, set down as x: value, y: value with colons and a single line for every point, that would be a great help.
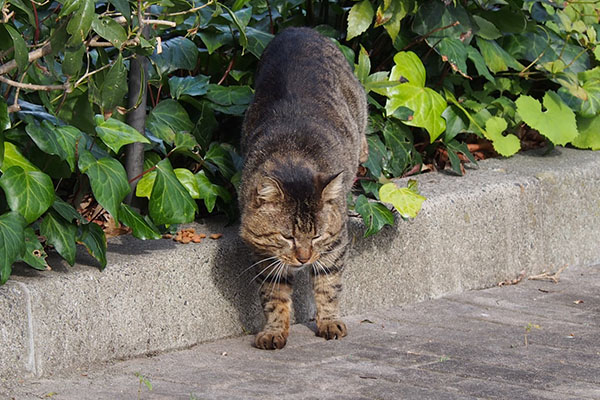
x: 335, y: 329
x: 270, y: 340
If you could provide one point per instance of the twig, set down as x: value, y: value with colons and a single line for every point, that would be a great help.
x: 191, y: 10
x: 32, y: 56
x: 229, y: 67
x: 31, y: 86
x: 545, y: 276
x: 36, y: 35
x: 171, y: 24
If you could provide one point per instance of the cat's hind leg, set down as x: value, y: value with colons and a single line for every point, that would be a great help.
x: 276, y: 299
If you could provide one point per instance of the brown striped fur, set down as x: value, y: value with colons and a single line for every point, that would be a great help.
x: 303, y: 136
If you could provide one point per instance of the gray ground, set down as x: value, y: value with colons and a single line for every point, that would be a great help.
x: 534, y: 340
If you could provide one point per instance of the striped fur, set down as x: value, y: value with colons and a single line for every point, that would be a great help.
x: 303, y: 137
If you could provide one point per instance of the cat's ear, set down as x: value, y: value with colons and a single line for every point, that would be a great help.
x: 269, y: 191
x: 333, y: 187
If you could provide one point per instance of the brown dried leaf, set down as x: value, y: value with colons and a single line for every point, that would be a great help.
x: 215, y: 236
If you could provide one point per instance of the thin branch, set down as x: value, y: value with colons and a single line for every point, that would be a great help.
x: 32, y: 56
x: 191, y: 10
x: 171, y: 24
x: 228, y: 70
x: 31, y: 86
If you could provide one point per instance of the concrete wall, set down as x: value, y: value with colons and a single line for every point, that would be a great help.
x: 526, y: 213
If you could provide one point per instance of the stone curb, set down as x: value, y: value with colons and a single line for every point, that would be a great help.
x: 527, y: 213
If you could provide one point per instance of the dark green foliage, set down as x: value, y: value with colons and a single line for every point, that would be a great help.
x: 438, y: 74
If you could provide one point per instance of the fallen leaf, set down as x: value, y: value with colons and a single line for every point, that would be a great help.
x: 578, y: 301
x: 215, y: 236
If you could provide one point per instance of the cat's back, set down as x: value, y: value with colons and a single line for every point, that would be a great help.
x: 301, y: 62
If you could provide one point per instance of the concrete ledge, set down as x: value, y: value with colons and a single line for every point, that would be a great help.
x: 525, y: 213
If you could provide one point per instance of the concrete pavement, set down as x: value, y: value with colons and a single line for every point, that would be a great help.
x: 533, y: 340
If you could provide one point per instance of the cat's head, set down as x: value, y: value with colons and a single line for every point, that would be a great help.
x: 294, y: 214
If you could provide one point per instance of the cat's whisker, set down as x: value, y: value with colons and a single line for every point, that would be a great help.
x: 264, y: 269
x: 277, y: 279
x: 258, y: 262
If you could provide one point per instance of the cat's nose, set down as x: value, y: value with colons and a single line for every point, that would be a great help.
x: 303, y: 255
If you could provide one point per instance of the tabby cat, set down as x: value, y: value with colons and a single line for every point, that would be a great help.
x: 303, y: 136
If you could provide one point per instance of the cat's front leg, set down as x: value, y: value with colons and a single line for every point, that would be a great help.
x: 327, y: 285
x: 276, y: 299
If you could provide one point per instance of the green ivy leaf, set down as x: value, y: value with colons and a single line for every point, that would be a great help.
x: 116, y: 134
x: 375, y: 215
x: 145, y: 185
x: 4, y: 118
x: 108, y: 180
x: 229, y: 95
x: 188, y: 180
x: 474, y: 55
x: 93, y: 238
x: 359, y: 18
x: 257, y: 40
x: 496, y: 58
x: 214, y: 40
x: 170, y: 203
x: 487, y: 30
x: 363, y: 68
x: 454, y: 52
x: 406, y: 201
x: 60, y: 234
x: 73, y: 61
x: 220, y: 157
x: 13, y: 157
x: 140, y: 228
x: 168, y: 118
x: 80, y: 23
x: 504, y: 145
x: 114, y: 87
x: 34, y: 254
x: 177, y: 53
x: 589, y: 133
x: 378, y: 156
x: 243, y: 39
x: 30, y: 193
x: 557, y: 123
x: 122, y: 6
x: 427, y: 105
x: 66, y: 211
x: 20, y: 47
x: 57, y: 140
x: 12, y: 242
x: 209, y: 191
x: 190, y: 85
x: 408, y: 65
x: 110, y: 30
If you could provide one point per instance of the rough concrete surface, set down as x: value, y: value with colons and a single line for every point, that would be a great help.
x: 527, y: 213
x: 533, y: 340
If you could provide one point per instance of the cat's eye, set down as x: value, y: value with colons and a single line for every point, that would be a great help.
x: 288, y: 238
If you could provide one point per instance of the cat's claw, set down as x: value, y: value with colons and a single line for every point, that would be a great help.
x: 270, y: 340
x: 332, y: 329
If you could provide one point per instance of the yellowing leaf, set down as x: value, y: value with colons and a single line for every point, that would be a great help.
x: 557, y: 123
x: 406, y: 201
x: 589, y: 133
x: 504, y: 145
